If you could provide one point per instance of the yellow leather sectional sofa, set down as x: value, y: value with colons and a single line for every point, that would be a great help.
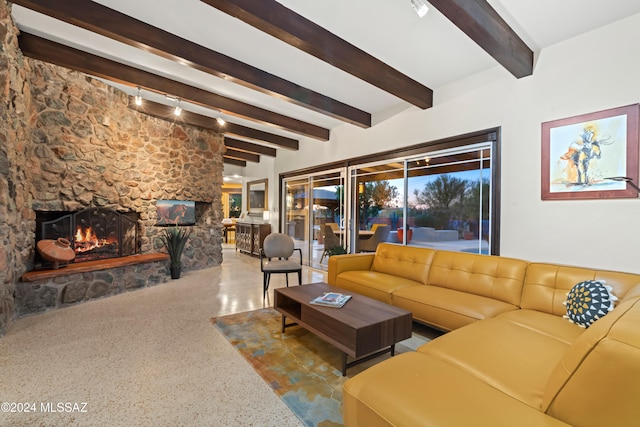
x: 510, y: 358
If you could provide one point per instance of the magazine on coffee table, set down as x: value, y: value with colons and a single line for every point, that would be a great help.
x: 331, y: 299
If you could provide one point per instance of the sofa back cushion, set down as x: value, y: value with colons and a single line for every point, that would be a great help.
x: 409, y: 262
x: 597, y: 381
x: 546, y: 285
x: 494, y: 277
x: 632, y: 293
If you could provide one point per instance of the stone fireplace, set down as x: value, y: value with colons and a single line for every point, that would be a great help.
x: 77, y: 162
x: 94, y: 233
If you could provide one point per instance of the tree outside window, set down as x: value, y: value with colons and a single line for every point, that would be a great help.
x: 372, y: 198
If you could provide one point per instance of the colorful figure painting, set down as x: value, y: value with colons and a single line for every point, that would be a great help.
x: 585, y: 153
x: 580, y: 153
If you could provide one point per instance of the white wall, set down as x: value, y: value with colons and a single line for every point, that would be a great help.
x: 592, y: 72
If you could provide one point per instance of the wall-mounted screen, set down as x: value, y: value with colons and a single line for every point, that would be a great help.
x: 176, y: 212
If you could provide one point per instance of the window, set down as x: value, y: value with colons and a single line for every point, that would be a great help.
x: 448, y: 200
x: 443, y: 195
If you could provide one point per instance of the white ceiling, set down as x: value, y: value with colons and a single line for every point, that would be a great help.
x: 431, y: 50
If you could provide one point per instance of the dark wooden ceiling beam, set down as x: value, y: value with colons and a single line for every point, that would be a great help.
x: 165, y: 112
x: 234, y: 162
x: 260, y: 136
x: 241, y: 155
x: 249, y: 147
x: 110, y: 23
x: 485, y: 26
x: 74, y: 59
x: 286, y: 25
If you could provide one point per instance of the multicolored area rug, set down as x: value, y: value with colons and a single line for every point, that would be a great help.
x: 301, y: 368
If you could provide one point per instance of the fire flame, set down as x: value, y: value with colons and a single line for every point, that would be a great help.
x: 87, y: 240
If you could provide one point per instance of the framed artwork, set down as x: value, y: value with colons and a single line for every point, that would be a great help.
x: 581, y: 155
x: 176, y: 212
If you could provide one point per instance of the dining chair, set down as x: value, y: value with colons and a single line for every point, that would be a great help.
x: 380, y: 234
x: 229, y: 226
x: 331, y: 240
x: 274, y: 259
x: 334, y: 226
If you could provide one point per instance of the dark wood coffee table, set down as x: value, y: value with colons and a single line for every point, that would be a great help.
x: 363, y: 328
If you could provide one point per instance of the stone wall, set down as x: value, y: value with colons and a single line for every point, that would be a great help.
x: 89, y: 149
x: 16, y: 215
x: 69, y: 141
x: 47, y: 294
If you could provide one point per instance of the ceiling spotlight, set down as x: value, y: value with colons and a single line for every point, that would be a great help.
x: 220, y: 121
x: 420, y: 6
x: 138, y: 98
x: 178, y: 109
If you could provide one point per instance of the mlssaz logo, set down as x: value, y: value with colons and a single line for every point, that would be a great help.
x: 63, y: 407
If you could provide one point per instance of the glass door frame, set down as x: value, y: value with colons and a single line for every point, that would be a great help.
x: 352, y: 189
x: 491, y: 137
x: 480, y: 148
x: 308, y: 245
x: 352, y: 196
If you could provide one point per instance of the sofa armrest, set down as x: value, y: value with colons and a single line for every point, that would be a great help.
x: 348, y: 262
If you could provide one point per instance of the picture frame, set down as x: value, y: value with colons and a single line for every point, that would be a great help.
x: 257, y: 196
x: 176, y: 212
x: 581, y: 154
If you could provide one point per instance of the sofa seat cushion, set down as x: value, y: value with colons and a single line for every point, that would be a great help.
x: 509, y: 357
x: 372, y: 284
x: 415, y: 389
x: 447, y: 309
x: 544, y: 323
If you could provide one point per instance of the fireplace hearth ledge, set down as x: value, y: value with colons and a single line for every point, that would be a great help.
x: 87, y: 266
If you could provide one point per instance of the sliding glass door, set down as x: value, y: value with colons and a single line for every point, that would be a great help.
x: 440, y: 199
x: 448, y: 200
x: 312, y: 203
x: 296, y: 216
x: 442, y: 195
x: 377, y: 195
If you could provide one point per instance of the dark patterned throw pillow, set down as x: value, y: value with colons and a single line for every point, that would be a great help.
x: 588, y: 301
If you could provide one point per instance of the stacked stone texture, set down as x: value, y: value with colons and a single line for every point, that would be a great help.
x: 69, y: 142
x: 16, y: 216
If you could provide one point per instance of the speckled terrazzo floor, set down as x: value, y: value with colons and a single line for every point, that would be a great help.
x: 145, y: 358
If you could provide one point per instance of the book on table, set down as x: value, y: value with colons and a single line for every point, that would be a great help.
x: 331, y: 299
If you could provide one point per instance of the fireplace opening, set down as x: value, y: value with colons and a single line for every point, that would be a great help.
x: 94, y: 233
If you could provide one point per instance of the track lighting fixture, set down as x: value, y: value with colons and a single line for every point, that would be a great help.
x: 138, y: 98
x: 178, y: 109
x: 420, y: 6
